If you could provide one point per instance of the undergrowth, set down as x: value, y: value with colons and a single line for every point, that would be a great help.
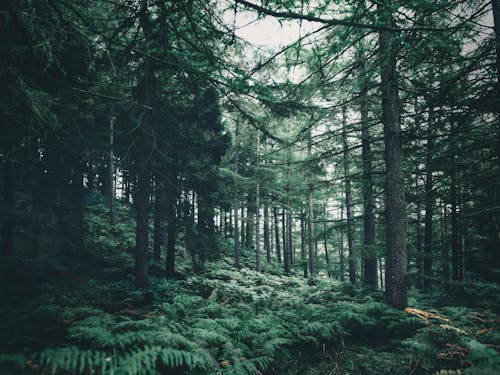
x: 225, y: 321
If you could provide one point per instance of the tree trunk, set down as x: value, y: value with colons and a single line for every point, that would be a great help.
x: 303, y: 242
x: 111, y: 169
x: 429, y: 203
x: 143, y: 162
x: 341, y: 245
x: 277, y: 234
x: 235, y: 201
x: 257, y: 209
x: 348, y: 201
x: 267, y: 244
x: 158, y: 222
x: 395, y: 218
x: 370, y: 273
x: 286, y: 245
x: 171, y: 222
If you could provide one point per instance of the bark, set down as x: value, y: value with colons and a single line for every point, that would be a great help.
x: 158, y: 222
x: 370, y: 273
x: 429, y: 204
x: 310, y: 229
x: 395, y: 218
x: 267, y: 244
x: 143, y: 162
x: 348, y: 201
x: 235, y: 202
x: 171, y: 213
x: 111, y: 169
x: 257, y: 209
x: 445, y: 269
x: 341, y: 245
x: 277, y: 234
x: 303, y: 242
x: 286, y: 244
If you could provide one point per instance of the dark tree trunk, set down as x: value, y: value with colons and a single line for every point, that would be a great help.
x: 141, y: 199
x: 257, y: 208
x: 267, y: 243
x: 171, y: 213
x: 429, y: 204
x: 9, y: 204
x: 277, y: 234
x: 445, y: 269
x: 369, y: 249
x: 348, y: 201
x: 395, y: 217
x: 158, y: 221
x: 303, y: 242
x: 286, y: 248
x: 235, y: 202
x: 290, y: 237
x: 341, y: 245
x: 111, y: 169
x: 311, y: 234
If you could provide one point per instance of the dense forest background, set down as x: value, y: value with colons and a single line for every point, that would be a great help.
x: 177, y: 197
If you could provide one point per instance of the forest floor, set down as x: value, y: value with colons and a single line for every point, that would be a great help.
x: 84, y: 316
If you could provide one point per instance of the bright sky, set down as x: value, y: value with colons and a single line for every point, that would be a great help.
x: 266, y: 32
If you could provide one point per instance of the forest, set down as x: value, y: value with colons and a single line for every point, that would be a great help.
x: 250, y: 187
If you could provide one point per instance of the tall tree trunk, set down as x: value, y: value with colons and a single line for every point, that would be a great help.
x: 267, y: 244
x: 257, y: 208
x: 303, y: 255
x: 495, y: 4
x: 429, y: 203
x: 310, y: 229
x: 290, y: 237
x: 348, y: 201
x: 286, y: 244
x: 395, y: 217
x: 445, y: 269
x: 369, y: 249
x: 277, y: 234
x: 455, y: 235
x: 235, y: 201
x: 341, y: 245
x: 111, y: 169
x: 171, y: 212
x: 158, y: 221
x: 143, y: 161
x: 8, y: 198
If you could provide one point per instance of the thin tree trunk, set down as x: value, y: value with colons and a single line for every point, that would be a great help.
x: 341, y: 245
x: 429, y: 203
x: 277, y: 234
x: 111, y: 168
x: 257, y: 209
x: 235, y: 202
x: 286, y: 244
x: 445, y: 269
x: 310, y: 229
x: 395, y: 217
x: 348, y: 201
x: 267, y: 244
x: 158, y: 222
x: 369, y: 251
x: 171, y: 222
x: 303, y: 242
